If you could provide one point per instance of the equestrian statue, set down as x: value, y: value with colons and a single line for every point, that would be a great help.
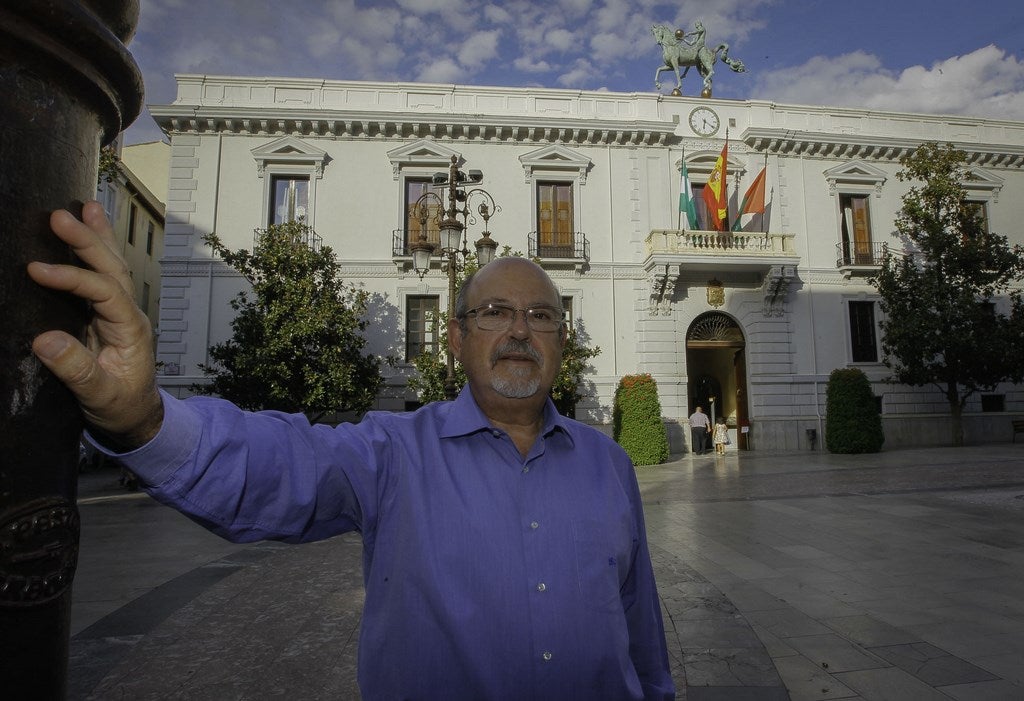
x: 687, y: 49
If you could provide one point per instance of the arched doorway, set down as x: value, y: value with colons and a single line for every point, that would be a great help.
x: 716, y: 366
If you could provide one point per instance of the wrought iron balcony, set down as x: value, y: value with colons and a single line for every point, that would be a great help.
x: 853, y: 255
x: 308, y: 238
x: 567, y: 247
x: 402, y: 239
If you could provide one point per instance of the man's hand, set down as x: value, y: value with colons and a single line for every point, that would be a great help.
x: 114, y: 375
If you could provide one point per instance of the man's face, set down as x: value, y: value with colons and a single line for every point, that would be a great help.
x: 518, y: 362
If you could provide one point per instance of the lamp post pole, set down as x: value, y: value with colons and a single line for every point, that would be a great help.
x: 455, y: 214
x: 67, y: 86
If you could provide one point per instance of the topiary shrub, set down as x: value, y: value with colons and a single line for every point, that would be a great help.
x: 852, y: 423
x: 636, y: 420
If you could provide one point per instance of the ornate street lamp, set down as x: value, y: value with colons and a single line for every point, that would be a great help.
x: 453, y: 215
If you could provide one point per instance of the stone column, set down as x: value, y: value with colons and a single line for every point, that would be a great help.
x: 67, y: 85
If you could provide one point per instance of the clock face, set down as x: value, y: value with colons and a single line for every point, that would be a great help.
x: 704, y: 121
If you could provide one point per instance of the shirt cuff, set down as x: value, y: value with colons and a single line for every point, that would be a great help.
x: 171, y: 447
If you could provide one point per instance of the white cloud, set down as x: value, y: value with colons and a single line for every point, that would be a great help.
x: 528, y: 65
x: 479, y: 48
x: 443, y: 70
x: 561, y: 39
x: 984, y: 83
x: 580, y: 74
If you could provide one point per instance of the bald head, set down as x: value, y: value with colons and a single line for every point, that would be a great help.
x: 510, y: 268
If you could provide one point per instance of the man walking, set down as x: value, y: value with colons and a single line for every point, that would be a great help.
x: 699, y: 425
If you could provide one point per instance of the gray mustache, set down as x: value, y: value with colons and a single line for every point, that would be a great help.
x: 517, y: 347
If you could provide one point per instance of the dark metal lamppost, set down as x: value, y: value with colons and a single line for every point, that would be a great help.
x: 453, y: 244
x: 67, y: 85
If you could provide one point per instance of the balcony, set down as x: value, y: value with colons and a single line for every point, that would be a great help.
x: 719, y: 251
x: 859, y: 258
x: 569, y: 248
x: 306, y: 236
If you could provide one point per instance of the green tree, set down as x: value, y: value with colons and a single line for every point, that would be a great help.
x: 298, y: 338
x: 636, y: 420
x: 941, y: 324
x: 432, y: 369
x: 853, y: 424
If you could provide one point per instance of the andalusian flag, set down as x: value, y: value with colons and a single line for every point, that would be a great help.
x: 687, y: 211
x: 715, y: 196
x: 753, y: 201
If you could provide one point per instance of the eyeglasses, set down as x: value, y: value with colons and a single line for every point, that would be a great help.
x: 498, y: 317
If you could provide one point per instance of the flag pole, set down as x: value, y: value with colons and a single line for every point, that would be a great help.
x: 766, y: 177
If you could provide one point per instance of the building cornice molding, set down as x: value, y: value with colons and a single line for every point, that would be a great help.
x: 810, y: 144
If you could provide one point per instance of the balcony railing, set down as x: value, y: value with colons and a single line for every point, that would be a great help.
x: 734, y: 243
x: 308, y: 238
x: 572, y: 246
x: 850, y: 254
x: 401, y: 240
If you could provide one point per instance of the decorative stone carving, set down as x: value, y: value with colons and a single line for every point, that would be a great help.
x: 776, y: 284
x: 662, y: 282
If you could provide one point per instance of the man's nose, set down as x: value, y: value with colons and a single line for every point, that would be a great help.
x: 519, y: 328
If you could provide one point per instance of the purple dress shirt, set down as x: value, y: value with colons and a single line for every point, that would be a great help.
x: 488, y: 576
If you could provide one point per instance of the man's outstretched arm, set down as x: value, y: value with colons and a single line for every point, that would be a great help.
x: 113, y: 375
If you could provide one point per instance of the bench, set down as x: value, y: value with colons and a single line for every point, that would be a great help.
x: 1018, y: 427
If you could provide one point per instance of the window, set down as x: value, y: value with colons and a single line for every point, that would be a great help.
x: 145, y: 298
x: 700, y: 206
x: 133, y: 213
x: 993, y: 402
x: 555, y: 220
x: 567, y: 309
x: 289, y: 199
x: 979, y: 209
x: 863, y: 347
x: 149, y: 239
x: 414, y: 189
x: 421, y: 319
x: 855, y: 227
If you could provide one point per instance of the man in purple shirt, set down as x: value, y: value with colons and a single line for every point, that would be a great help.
x: 505, y: 555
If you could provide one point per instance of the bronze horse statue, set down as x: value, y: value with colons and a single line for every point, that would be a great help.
x: 676, y: 51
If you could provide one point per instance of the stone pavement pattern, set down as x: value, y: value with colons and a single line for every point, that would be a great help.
x: 804, y: 576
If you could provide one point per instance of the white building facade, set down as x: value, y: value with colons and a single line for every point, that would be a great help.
x: 588, y: 182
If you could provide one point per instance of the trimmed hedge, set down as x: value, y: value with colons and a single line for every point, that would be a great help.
x: 852, y: 422
x: 636, y: 420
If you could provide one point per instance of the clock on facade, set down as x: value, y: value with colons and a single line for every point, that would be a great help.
x: 704, y: 121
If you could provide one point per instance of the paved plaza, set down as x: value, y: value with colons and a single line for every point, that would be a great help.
x: 797, y: 576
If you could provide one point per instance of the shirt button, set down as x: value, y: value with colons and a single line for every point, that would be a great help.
x: 542, y: 586
x: 534, y: 525
x: 546, y: 656
x: 526, y: 469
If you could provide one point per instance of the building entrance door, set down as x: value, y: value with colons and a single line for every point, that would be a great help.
x: 717, y: 369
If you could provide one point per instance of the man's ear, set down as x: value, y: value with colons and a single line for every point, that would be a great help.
x: 455, y: 338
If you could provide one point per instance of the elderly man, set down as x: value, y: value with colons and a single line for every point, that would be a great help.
x: 505, y: 555
x: 699, y: 425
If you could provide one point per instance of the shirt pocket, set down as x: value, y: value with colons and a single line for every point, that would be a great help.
x: 603, y: 557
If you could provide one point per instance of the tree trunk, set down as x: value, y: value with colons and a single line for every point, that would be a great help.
x: 956, y: 413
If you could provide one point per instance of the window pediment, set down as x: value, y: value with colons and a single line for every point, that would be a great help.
x: 290, y: 151
x: 555, y: 158
x: 855, y: 176
x: 981, y: 184
x: 701, y: 163
x: 423, y: 153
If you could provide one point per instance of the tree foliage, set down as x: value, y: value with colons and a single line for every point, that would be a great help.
x: 853, y: 424
x: 432, y: 369
x: 636, y: 420
x: 952, y: 316
x: 297, y: 343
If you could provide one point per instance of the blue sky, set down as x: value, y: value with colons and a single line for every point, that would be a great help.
x: 933, y: 56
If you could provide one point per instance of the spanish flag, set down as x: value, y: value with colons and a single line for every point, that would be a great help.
x: 753, y: 201
x: 715, y: 196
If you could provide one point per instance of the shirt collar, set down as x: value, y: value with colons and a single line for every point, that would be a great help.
x: 466, y: 417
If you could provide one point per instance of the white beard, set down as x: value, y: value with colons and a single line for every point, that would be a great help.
x: 518, y: 386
